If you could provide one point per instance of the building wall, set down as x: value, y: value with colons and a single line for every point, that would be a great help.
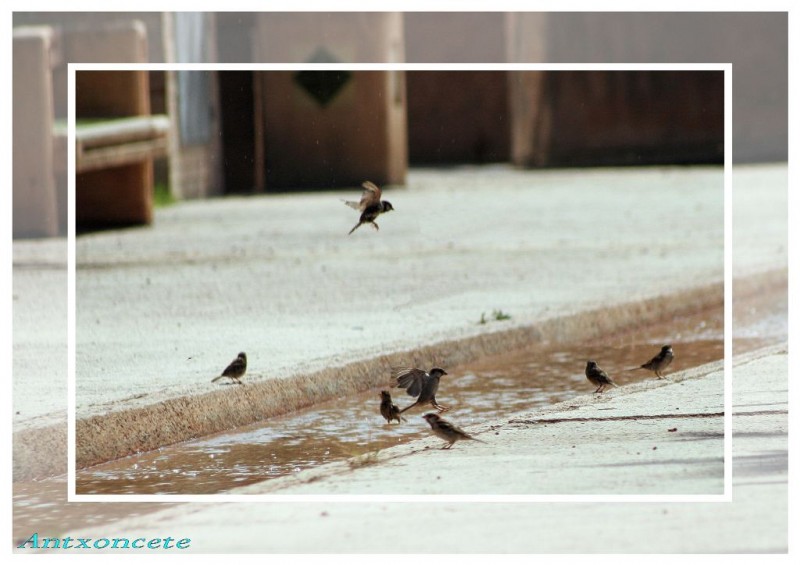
x: 756, y: 44
x: 358, y: 135
x: 591, y: 118
x: 458, y: 117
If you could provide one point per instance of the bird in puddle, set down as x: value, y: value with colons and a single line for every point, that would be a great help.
x: 389, y: 410
x: 421, y: 384
x: 235, y: 370
x: 598, y: 377
x: 658, y: 363
x: 371, y: 206
x: 447, y: 431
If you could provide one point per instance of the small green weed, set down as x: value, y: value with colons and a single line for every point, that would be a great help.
x: 497, y: 315
x: 162, y: 196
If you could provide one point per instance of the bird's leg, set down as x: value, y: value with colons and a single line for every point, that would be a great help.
x: 438, y: 406
x: 375, y: 226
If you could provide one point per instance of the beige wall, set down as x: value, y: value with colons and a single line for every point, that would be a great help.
x: 36, y: 211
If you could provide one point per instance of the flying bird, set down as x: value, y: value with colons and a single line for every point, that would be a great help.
x: 371, y: 206
x: 447, y: 431
x: 598, y: 377
x: 420, y: 384
x: 235, y: 370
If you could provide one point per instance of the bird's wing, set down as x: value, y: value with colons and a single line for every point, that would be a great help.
x: 370, y: 197
x: 410, y: 379
x: 235, y: 367
x: 650, y: 364
x: 452, y: 430
x: 600, y: 375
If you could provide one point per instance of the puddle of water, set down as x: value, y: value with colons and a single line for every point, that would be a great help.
x: 487, y: 389
x: 351, y: 426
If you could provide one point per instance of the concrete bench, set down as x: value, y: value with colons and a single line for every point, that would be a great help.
x: 116, y: 137
x: 121, y: 141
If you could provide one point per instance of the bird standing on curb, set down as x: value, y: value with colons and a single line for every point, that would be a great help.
x: 659, y: 362
x: 370, y: 205
x: 598, y: 377
x: 389, y: 410
x: 420, y: 384
x: 447, y: 431
x: 235, y: 370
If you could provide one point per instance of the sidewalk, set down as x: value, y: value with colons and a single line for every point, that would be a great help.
x: 161, y: 310
x: 277, y: 277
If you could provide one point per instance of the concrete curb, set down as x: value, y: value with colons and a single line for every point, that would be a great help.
x: 122, y: 433
x: 119, y: 434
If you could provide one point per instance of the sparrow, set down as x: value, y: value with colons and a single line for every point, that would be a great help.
x: 421, y: 384
x: 389, y: 410
x: 659, y: 362
x: 370, y: 205
x: 235, y: 370
x: 598, y: 376
x: 447, y: 431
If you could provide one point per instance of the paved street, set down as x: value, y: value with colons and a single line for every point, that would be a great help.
x: 568, y: 254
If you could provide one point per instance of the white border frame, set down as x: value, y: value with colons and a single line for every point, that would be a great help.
x: 727, y: 495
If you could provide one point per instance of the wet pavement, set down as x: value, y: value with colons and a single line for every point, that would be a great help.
x: 646, y: 447
x: 347, y: 427
x: 484, y: 390
x: 243, y: 456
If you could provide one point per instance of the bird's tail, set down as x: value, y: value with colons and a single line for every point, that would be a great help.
x: 215, y: 379
x: 354, y: 228
x: 635, y: 369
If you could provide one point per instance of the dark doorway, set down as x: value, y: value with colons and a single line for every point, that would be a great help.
x: 241, y: 156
